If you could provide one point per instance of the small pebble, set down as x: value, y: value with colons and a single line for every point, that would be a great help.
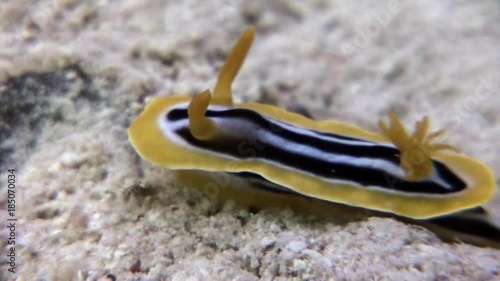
x: 297, y: 246
x: 299, y: 265
x: 268, y: 241
x: 71, y: 159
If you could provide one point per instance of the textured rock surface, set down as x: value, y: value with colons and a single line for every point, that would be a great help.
x: 73, y: 75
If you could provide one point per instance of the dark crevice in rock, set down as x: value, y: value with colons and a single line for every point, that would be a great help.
x: 27, y: 102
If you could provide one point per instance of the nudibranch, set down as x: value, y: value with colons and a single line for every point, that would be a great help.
x: 408, y: 174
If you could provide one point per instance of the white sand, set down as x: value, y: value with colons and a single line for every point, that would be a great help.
x: 82, y: 213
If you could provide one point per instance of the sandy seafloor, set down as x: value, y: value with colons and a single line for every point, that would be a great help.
x: 74, y: 75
